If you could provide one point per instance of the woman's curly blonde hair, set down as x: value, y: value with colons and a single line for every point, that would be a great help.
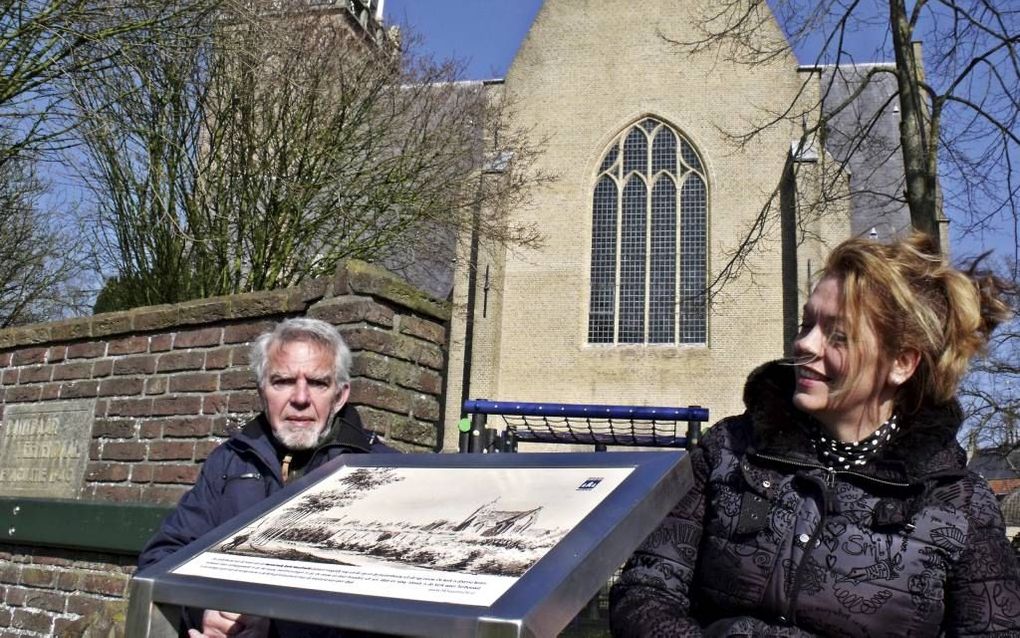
x: 910, y: 297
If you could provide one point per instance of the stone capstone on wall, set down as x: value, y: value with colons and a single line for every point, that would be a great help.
x: 169, y: 383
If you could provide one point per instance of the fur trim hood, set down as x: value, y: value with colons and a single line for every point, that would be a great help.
x: 923, y: 447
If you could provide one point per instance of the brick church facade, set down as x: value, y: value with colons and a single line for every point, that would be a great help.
x: 652, y: 199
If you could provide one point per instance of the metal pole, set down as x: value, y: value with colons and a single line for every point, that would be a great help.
x: 693, y: 431
x: 464, y: 435
x: 509, y: 441
x: 146, y: 618
x: 476, y: 437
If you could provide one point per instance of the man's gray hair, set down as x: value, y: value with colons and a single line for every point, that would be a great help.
x: 302, y: 329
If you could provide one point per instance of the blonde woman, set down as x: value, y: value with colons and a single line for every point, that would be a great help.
x: 839, y: 503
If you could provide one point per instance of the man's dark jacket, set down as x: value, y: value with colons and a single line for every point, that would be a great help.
x: 243, y: 471
x: 769, y: 542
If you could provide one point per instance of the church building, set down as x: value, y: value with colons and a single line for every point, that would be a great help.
x: 675, y: 259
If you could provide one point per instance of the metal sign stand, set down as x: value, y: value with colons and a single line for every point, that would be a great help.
x: 540, y: 601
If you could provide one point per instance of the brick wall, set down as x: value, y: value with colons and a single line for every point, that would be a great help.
x: 170, y: 382
x: 53, y: 592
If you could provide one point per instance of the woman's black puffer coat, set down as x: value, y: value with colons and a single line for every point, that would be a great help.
x: 768, y: 542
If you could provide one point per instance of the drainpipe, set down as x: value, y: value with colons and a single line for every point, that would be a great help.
x: 469, y: 323
x: 494, y: 164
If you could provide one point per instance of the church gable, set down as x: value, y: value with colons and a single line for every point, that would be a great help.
x: 653, y: 195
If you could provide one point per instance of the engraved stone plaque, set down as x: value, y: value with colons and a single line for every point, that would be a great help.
x: 44, y: 448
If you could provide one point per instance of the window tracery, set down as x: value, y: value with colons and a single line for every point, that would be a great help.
x: 649, y: 240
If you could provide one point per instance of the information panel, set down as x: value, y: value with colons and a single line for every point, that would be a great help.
x: 382, y: 531
x: 423, y: 544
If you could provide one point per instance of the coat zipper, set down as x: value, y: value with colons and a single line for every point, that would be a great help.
x: 244, y: 447
x: 830, y: 473
x: 809, y: 548
x: 828, y: 482
x: 246, y: 475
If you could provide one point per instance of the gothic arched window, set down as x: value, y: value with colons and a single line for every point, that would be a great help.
x: 649, y: 238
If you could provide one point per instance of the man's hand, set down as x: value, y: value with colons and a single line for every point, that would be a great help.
x: 225, y: 624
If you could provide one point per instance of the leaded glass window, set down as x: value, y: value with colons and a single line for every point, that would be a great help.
x: 649, y: 240
x: 602, y: 320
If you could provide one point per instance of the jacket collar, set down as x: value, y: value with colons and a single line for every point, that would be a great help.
x: 346, y: 432
x: 923, y: 447
x: 256, y: 437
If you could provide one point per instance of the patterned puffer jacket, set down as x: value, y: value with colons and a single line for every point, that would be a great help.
x: 769, y: 542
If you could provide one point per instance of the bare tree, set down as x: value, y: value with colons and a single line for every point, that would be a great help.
x: 991, y: 394
x: 283, y: 145
x: 958, y: 107
x: 952, y: 73
x: 42, y: 42
x: 37, y: 266
x: 991, y: 391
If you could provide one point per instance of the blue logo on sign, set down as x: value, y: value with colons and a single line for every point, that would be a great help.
x: 590, y: 484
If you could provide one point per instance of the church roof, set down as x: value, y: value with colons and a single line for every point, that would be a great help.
x: 875, y: 164
x: 996, y: 463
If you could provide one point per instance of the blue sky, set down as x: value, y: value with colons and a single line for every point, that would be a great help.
x: 484, y: 34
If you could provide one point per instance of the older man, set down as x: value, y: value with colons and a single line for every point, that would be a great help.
x: 302, y: 370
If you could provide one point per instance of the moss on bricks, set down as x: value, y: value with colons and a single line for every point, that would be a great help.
x: 359, y: 277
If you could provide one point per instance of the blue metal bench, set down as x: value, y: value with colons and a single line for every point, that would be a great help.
x: 598, y: 425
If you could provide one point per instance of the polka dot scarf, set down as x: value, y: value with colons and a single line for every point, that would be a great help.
x: 840, y: 455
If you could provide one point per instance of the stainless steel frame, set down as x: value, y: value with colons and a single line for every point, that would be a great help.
x: 540, y: 603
